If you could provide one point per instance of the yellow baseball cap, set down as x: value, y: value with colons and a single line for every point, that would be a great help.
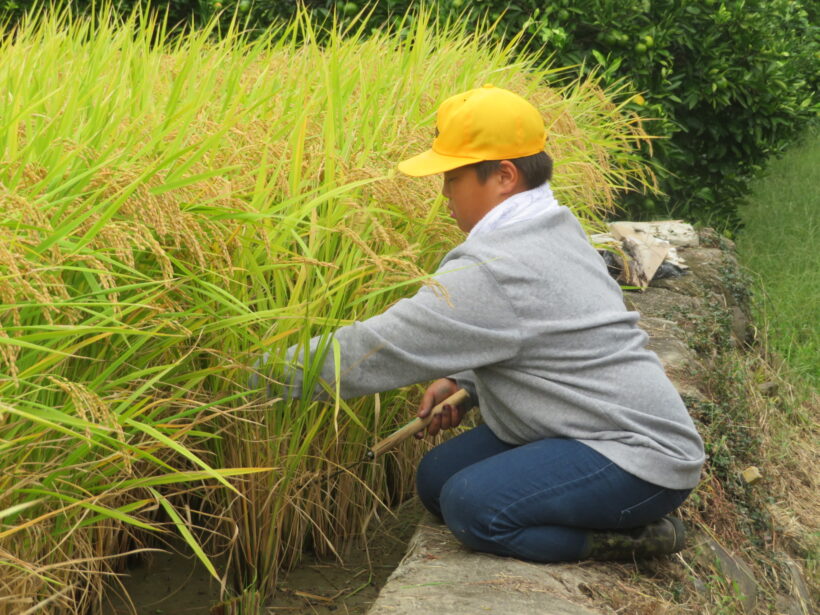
x: 487, y: 123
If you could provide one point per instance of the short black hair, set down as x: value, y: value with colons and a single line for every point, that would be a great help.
x: 535, y: 169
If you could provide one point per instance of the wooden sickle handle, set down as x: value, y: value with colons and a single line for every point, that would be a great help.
x: 416, y: 425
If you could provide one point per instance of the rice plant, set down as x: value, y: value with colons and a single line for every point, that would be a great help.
x: 170, y: 208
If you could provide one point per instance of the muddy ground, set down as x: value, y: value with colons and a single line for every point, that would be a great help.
x: 176, y: 584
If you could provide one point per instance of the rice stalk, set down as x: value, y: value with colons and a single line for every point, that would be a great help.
x: 172, y: 207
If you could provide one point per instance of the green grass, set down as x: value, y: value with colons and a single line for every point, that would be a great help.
x: 779, y: 245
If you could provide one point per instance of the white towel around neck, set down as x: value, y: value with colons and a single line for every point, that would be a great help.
x: 519, y: 207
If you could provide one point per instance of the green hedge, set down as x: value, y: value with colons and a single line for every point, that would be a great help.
x: 727, y: 82
x: 179, y: 11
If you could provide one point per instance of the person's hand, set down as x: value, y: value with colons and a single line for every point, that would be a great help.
x: 450, y: 416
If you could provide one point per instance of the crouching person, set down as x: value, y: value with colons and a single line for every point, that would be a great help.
x: 585, y: 447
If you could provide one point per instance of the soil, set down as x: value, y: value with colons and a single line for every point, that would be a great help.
x: 174, y: 583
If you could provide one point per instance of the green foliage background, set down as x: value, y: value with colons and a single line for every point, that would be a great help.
x: 727, y: 83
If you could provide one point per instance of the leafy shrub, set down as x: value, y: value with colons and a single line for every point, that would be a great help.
x: 179, y: 11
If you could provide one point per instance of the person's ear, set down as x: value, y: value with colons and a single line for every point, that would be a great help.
x: 510, y: 179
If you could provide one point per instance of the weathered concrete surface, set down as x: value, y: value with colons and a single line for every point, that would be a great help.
x: 799, y: 601
x: 733, y: 567
x: 438, y: 575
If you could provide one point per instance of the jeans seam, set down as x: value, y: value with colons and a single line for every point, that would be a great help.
x: 629, y: 509
x: 531, y: 495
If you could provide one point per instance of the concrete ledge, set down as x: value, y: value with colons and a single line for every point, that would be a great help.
x: 438, y: 575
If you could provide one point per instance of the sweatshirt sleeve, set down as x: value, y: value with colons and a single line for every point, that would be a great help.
x: 466, y: 380
x: 467, y: 323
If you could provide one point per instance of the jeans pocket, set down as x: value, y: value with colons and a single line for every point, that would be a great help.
x: 652, y: 508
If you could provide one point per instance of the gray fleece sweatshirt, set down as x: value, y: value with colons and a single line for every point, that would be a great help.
x: 534, y: 328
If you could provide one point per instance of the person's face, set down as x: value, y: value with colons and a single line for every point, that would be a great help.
x: 469, y: 200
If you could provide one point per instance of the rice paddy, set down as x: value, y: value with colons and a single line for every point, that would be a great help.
x: 173, y: 206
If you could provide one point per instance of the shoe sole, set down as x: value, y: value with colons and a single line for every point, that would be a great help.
x: 680, y: 534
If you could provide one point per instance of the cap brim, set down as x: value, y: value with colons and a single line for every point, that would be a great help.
x: 430, y: 163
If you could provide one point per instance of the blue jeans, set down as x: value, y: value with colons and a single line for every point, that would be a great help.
x: 538, y: 501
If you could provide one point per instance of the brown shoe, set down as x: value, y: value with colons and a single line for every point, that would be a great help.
x: 662, y: 537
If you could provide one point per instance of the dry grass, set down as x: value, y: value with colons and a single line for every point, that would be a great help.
x: 767, y: 525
